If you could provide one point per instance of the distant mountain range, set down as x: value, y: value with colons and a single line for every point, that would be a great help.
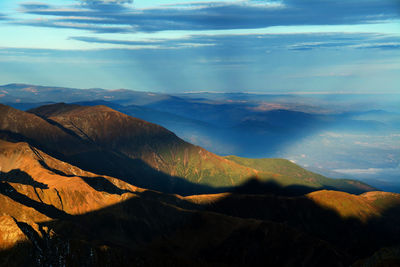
x: 228, y: 123
x: 359, y: 131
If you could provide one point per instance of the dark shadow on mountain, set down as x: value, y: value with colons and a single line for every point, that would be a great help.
x: 7, y: 190
x: 43, y: 249
x: 55, y: 171
x: 108, y: 156
x: 21, y: 177
x: 101, y: 184
x: 26, y: 106
x: 31, y: 234
x: 98, y: 183
x: 249, y: 130
x: 115, y: 164
x: 159, y: 231
x: 355, y: 238
x: 15, y: 137
x: 242, y: 129
x: 156, y: 229
x: 98, y: 102
x: 227, y: 124
x: 54, y: 123
x: 138, y: 173
x: 254, y: 186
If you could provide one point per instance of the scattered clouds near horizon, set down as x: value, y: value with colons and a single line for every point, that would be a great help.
x: 101, y: 16
x: 267, y: 42
x: 370, y: 171
x: 107, y: 1
x: 150, y: 44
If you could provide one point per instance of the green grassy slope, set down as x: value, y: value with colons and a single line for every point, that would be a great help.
x: 288, y: 173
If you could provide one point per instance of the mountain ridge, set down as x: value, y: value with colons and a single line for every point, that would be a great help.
x: 104, y: 141
x: 160, y: 148
x: 48, y: 212
x: 62, y: 214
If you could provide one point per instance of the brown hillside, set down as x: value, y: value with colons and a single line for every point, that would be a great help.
x: 22, y: 126
x: 155, y: 145
x: 52, y: 213
x: 29, y: 172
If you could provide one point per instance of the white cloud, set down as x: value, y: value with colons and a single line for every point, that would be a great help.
x: 107, y: 1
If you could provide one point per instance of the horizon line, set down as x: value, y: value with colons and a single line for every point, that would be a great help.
x: 219, y: 92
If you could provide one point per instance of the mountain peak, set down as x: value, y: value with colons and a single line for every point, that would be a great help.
x: 52, y: 109
x: 70, y: 110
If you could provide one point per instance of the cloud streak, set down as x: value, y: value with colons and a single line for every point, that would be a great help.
x: 153, y: 43
x: 365, y: 44
x: 97, y: 2
x: 386, y: 46
x: 262, y: 42
x: 211, y: 15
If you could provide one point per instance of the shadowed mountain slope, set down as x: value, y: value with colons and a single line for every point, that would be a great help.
x: 77, y: 149
x: 60, y: 215
x: 16, y: 124
x: 155, y: 145
x: 357, y: 224
x: 54, y: 213
x: 102, y: 140
x: 165, y: 152
x: 288, y: 173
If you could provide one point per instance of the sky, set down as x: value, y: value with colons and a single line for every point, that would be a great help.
x: 172, y: 46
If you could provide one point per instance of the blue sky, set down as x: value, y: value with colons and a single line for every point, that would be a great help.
x: 284, y: 46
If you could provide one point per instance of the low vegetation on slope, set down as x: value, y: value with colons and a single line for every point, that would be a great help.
x: 55, y: 214
x: 163, y: 151
x: 137, y: 139
x: 287, y: 173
